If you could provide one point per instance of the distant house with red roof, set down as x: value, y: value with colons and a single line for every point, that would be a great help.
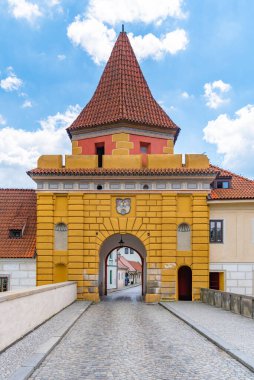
x: 132, y: 268
x: 17, y: 239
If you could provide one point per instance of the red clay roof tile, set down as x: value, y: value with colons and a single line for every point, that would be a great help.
x: 136, y: 265
x: 123, y: 263
x: 241, y: 187
x: 17, y: 210
x: 100, y: 172
x: 123, y: 95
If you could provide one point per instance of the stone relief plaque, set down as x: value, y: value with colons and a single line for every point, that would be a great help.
x: 123, y: 206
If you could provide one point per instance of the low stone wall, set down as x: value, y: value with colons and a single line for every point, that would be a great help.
x: 237, y: 303
x: 23, y: 310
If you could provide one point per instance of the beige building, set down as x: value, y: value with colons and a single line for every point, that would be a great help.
x: 231, y: 206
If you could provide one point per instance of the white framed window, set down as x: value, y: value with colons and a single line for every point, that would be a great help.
x: 4, y: 283
x: 216, y: 231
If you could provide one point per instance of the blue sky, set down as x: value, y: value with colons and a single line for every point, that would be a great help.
x: 197, y: 57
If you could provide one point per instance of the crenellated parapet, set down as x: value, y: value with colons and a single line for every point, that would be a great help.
x: 120, y: 161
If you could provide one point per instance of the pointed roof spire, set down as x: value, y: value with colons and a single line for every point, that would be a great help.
x: 123, y: 95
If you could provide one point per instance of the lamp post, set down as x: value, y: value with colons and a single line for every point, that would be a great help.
x: 118, y: 254
x: 117, y: 257
x: 121, y: 242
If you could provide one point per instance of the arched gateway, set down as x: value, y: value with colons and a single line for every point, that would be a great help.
x: 112, y: 243
x: 123, y: 178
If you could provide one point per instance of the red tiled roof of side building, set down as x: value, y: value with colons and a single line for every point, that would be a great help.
x: 123, y: 95
x: 136, y: 265
x: 17, y: 211
x: 118, y: 172
x: 126, y: 263
x: 122, y: 264
x: 241, y: 187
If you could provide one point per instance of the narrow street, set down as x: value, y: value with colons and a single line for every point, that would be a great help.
x: 128, y: 294
x: 126, y: 339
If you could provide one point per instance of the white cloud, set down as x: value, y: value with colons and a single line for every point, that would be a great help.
x: 31, y: 10
x: 11, y: 82
x: 61, y: 57
x: 185, y: 95
x: 53, y: 3
x: 27, y: 104
x: 24, y: 9
x: 234, y: 138
x: 146, y: 11
x: 154, y: 47
x: 214, y: 93
x: 2, y: 120
x: 93, y: 36
x: 20, y: 149
x: 95, y: 32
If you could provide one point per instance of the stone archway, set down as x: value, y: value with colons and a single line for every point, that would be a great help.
x: 111, y: 243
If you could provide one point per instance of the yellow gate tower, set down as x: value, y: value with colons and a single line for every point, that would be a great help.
x: 124, y: 184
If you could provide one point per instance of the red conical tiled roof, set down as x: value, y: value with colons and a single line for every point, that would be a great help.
x: 123, y: 95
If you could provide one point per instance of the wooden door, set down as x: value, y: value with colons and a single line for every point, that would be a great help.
x: 185, y: 284
x: 214, y: 280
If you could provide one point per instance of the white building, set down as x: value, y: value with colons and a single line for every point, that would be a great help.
x: 17, y: 239
x: 112, y: 270
x: 129, y: 254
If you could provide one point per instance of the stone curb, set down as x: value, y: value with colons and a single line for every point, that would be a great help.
x: 231, y: 350
x: 41, y: 352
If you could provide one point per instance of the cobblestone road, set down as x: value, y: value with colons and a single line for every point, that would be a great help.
x: 127, y: 339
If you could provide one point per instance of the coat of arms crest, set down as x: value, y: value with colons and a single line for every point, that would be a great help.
x: 123, y: 206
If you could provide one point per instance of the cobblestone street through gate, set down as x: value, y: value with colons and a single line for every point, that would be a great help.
x: 127, y: 339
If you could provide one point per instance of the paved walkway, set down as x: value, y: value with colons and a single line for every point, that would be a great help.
x: 234, y: 329
x: 12, y: 358
x: 136, y: 341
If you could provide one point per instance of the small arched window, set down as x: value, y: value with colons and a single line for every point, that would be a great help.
x: 184, y: 237
x: 61, y: 237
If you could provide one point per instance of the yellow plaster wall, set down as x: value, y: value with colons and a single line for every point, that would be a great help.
x: 154, y: 218
x: 169, y: 149
x: 81, y: 161
x: 196, y: 161
x: 122, y: 161
x: 162, y: 161
x: 120, y: 137
x: 123, y: 144
x: 76, y: 149
x: 50, y: 162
